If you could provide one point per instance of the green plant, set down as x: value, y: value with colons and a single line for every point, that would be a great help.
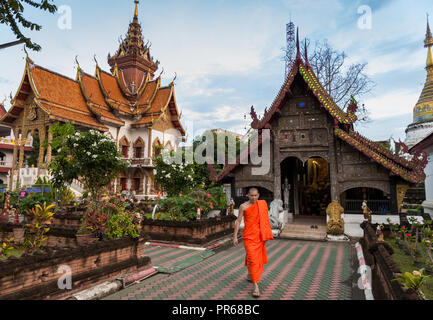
x: 121, y: 225
x: 412, y: 280
x: 219, y: 196
x: 91, y: 156
x: 41, y: 216
x: 179, y: 208
x: 65, y: 195
x: 34, y: 199
x: 6, y: 247
x: 14, y: 197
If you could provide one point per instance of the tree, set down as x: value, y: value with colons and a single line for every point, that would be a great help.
x: 11, y: 14
x: 91, y: 156
x: 341, y: 81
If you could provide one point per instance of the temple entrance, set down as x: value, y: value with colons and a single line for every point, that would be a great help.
x: 306, y: 188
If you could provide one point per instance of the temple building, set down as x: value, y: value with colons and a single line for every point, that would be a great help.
x: 129, y: 102
x: 316, y: 155
x: 422, y: 124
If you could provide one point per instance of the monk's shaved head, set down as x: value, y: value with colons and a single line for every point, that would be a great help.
x: 253, y: 190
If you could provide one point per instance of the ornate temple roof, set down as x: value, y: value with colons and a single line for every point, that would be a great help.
x: 410, y: 170
x: 100, y: 100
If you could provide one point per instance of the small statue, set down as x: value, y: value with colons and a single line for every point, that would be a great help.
x: 286, y: 194
x: 231, y: 209
x: 366, y: 211
x: 276, y: 208
x: 379, y: 233
x: 336, y: 223
x: 5, y: 212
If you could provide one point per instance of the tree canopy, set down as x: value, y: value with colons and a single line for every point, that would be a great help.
x: 12, y: 14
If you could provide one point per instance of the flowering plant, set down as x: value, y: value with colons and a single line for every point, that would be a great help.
x: 412, y: 280
x: 6, y: 247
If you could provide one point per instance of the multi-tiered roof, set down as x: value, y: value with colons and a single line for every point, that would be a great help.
x: 407, y: 166
x: 129, y: 91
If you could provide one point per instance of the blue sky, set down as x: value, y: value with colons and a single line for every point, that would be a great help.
x: 227, y: 54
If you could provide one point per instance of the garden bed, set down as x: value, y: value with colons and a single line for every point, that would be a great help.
x: 378, y: 256
x: 190, y: 232
x: 35, y: 276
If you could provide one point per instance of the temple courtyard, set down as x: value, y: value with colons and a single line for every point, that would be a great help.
x: 297, y: 270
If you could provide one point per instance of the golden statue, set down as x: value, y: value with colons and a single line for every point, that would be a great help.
x: 335, y: 223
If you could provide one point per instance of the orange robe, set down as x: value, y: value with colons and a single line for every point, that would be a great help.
x: 256, y: 232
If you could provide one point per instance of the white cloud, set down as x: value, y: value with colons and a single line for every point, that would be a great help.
x: 392, y: 104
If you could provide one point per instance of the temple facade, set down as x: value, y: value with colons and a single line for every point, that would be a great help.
x: 316, y: 156
x: 129, y: 103
x: 422, y: 125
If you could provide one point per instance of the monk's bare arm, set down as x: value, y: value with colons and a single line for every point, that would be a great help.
x: 238, y: 224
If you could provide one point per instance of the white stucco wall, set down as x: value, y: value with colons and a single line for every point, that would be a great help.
x: 428, y: 204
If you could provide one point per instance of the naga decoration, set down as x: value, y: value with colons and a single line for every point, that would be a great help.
x: 353, y: 106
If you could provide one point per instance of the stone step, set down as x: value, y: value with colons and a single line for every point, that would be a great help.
x: 304, y: 232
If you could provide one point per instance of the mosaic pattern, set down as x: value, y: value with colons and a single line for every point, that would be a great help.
x: 297, y: 270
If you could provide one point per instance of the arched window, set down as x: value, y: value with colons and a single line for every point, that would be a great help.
x: 168, y: 146
x: 157, y: 147
x: 139, y: 149
x: 124, y: 147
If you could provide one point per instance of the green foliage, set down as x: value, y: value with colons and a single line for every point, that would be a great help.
x: 65, y: 195
x: 41, y: 217
x: 180, y: 177
x: 110, y: 220
x: 14, y: 197
x: 412, y: 280
x: 7, y: 247
x: 90, y: 155
x: 219, y: 195
x: 32, y: 200
x: 11, y: 14
x: 32, y: 160
x: 179, y: 208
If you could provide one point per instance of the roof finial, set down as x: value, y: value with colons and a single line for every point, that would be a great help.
x: 428, y: 36
x: 136, y: 8
x: 298, y: 50
x: 307, y: 62
x: 76, y: 61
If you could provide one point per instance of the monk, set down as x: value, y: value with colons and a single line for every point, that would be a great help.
x: 255, y: 234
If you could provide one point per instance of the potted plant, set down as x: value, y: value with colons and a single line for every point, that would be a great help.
x: 413, y: 281
x: 19, y: 234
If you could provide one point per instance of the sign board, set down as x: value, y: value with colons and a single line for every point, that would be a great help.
x: 34, y: 190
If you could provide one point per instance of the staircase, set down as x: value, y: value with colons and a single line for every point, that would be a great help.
x: 77, y: 188
x: 301, y: 230
x: 414, y: 197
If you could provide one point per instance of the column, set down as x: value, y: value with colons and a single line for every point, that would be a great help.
x: 14, y: 161
x: 42, y: 135
x: 22, y: 151
x: 50, y: 148
x: 333, y: 169
x: 277, y: 167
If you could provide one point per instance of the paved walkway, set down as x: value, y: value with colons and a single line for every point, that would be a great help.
x: 297, y: 270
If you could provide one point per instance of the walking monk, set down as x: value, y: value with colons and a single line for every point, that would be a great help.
x: 256, y: 232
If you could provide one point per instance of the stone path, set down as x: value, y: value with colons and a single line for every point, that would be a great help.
x: 297, y: 270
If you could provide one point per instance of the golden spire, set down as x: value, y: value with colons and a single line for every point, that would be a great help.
x: 428, y: 43
x: 136, y: 8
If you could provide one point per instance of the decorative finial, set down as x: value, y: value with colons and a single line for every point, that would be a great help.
x: 307, y: 62
x: 428, y: 36
x: 136, y: 8
x: 298, y: 50
x: 25, y: 50
x: 76, y: 61
x: 94, y: 58
x: 161, y: 73
x: 175, y: 77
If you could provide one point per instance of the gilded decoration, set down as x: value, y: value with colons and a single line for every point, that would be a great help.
x: 401, y: 192
x: 335, y: 223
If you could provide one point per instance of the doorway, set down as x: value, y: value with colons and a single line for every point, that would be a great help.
x: 306, y: 188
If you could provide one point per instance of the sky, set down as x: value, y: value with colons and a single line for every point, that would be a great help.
x: 228, y: 54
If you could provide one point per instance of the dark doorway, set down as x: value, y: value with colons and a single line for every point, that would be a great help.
x: 310, y: 187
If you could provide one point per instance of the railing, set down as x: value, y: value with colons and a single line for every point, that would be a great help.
x: 144, y: 162
x: 376, y: 206
x: 5, y: 164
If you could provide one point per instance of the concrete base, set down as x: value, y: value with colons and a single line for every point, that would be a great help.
x: 341, y: 238
x: 276, y: 232
x: 428, y: 207
x: 352, y: 223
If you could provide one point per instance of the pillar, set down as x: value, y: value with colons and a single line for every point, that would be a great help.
x: 42, y: 135
x: 50, y: 148
x: 22, y: 153
x: 333, y: 169
x: 277, y: 166
x: 14, y: 161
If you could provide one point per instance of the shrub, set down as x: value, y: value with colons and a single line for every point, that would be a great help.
x: 31, y: 201
x: 41, y: 216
